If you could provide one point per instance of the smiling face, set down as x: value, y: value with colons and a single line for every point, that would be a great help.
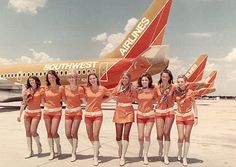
x: 145, y: 82
x: 165, y: 78
x: 32, y: 83
x: 125, y: 80
x: 93, y: 80
x: 181, y: 83
x: 51, y: 79
x: 72, y: 79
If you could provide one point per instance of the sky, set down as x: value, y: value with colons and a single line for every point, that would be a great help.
x: 46, y: 30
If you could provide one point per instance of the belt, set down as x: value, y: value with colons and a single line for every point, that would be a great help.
x: 91, y: 114
x: 146, y: 114
x: 124, y: 104
x: 164, y: 111
x: 33, y: 111
x: 76, y: 109
x: 52, y: 109
x: 184, y: 114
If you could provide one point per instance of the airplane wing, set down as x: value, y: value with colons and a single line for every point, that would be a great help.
x: 9, y: 91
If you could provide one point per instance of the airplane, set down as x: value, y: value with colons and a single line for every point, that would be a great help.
x: 140, y: 51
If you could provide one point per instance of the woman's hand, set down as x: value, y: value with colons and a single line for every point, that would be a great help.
x: 18, y: 119
x: 195, y: 121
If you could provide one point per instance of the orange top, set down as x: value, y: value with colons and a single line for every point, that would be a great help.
x: 124, y: 97
x: 53, y: 98
x: 165, y: 98
x: 73, y: 97
x: 185, y: 101
x: 94, y: 99
x: 145, y: 100
x: 33, y: 99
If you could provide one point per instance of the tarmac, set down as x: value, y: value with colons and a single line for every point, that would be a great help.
x: 213, y: 140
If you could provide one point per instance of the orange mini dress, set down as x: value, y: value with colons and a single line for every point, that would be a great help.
x: 53, y: 102
x: 73, y: 109
x: 93, y: 110
x: 124, y: 112
x: 33, y: 101
x: 145, y: 99
x: 165, y: 102
x: 184, y: 113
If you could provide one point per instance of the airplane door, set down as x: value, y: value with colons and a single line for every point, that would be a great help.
x: 19, y: 76
x: 103, y: 72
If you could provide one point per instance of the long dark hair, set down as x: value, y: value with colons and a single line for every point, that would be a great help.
x: 52, y: 72
x: 37, y: 81
x: 88, y: 82
x: 149, y: 77
x: 170, y: 81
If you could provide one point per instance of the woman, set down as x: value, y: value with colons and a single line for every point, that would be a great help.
x: 186, y: 115
x: 32, y: 99
x: 164, y: 112
x: 124, y: 113
x: 145, y: 115
x: 54, y: 95
x: 94, y: 96
x: 73, y: 112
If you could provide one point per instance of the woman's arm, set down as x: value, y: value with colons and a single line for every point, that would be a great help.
x: 195, y: 113
x: 22, y: 107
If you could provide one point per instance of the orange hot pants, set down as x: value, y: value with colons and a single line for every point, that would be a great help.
x: 165, y: 115
x: 144, y: 120
x: 52, y: 115
x: 73, y: 115
x: 189, y: 120
x: 30, y: 116
x: 91, y: 119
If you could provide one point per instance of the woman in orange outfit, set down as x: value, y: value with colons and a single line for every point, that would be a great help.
x: 54, y: 95
x: 94, y: 96
x: 164, y: 112
x: 186, y: 115
x: 32, y: 99
x: 123, y: 117
x: 146, y: 96
x: 73, y: 111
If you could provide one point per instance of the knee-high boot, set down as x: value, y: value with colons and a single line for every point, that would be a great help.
x: 39, y: 145
x: 29, y: 145
x: 180, y: 146
x: 74, y: 147
x: 186, y: 148
x: 58, y: 145
x: 125, y: 145
x: 51, y: 147
x: 96, y: 145
x: 160, y: 142
x: 166, y: 151
x: 145, y: 155
x: 119, y: 148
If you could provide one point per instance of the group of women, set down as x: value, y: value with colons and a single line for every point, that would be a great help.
x: 155, y: 105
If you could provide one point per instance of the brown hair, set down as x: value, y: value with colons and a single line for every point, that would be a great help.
x: 149, y: 78
x: 52, y: 72
x: 37, y: 81
x: 182, y: 76
x: 88, y: 82
x: 170, y: 75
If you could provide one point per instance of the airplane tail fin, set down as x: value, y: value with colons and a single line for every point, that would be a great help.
x: 195, y: 72
x: 211, y: 78
x: 148, y: 31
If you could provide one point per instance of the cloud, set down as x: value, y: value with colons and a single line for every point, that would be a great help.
x: 199, y: 35
x: 204, y: 34
x: 231, y: 75
x: 111, y: 41
x: 231, y: 56
x: 27, y: 6
x: 47, y: 42
x: 35, y: 57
